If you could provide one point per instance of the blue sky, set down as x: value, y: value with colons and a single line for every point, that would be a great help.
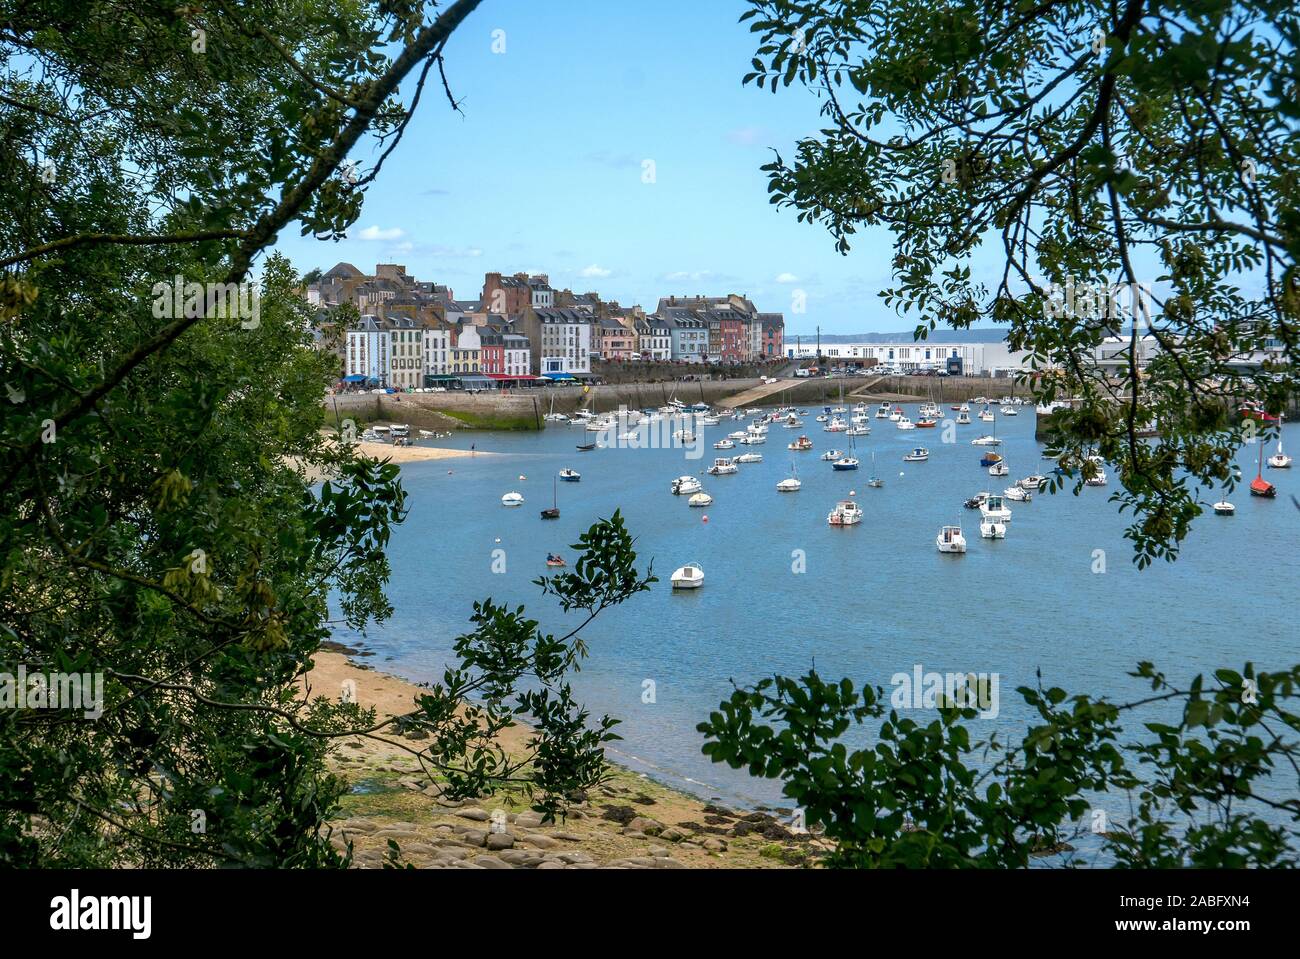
x: 544, y: 171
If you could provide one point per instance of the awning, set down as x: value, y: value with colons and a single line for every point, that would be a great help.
x: 556, y: 376
x: 475, y: 379
x: 356, y: 378
x: 507, y: 376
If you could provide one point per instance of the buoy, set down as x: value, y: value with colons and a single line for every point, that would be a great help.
x: 704, y: 519
x: 853, y: 492
x: 522, y: 477
x: 498, y: 539
x: 900, y: 472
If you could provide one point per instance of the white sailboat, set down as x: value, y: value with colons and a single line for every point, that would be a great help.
x: 791, y: 484
x: 1279, y: 460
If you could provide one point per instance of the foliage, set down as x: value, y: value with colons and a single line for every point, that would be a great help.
x: 158, y: 525
x: 1135, y: 168
x: 931, y: 794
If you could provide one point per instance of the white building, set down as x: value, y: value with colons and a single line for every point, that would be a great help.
x: 369, y: 351
x: 561, y: 341
x: 977, y: 359
x: 518, y: 356
x: 437, y: 350
x: 654, y: 338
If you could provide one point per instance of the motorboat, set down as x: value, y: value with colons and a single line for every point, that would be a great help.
x: 822, y: 417
x: 1017, y: 495
x: 686, y: 485
x: 513, y: 499
x: 903, y: 423
x: 749, y: 458
x: 570, y: 476
x: 724, y: 445
x: 963, y: 419
x: 918, y: 455
x: 976, y: 501
x: 1096, y: 473
x: 738, y: 435
x: 991, y: 529
x: 723, y: 466
x: 994, y: 508
x: 802, y: 443
x: 987, y: 416
x: 990, y: 459
x: 882, y: 412
x: 1224, y: 508
x: 830, y: 456
x: 859, y: 430
x: 1009, y: 411
x: 845, y: 513
x: 896, y: 414
x: 1033, y: 482
x: 586, y: 447
x: 950, y: 540
x: 986, y: 440
x: 999, y: 469
x: 690, y: 576
x: 753, y: 439
x: 926, y: 423
x: 554, y: 560
x: 685, y: 436
x: 700, y: 499
x: 836, y: 425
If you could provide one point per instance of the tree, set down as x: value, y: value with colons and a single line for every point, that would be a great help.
x: 1135, y: 168
x: 154, y: 529
x: 931, y: 794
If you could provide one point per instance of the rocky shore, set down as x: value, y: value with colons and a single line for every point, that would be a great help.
x: 627, y: 822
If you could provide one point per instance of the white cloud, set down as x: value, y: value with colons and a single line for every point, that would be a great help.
x: 787, y: 278
x: 595, y: 272
x: 379, y: 233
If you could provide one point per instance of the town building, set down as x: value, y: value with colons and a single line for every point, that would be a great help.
x: 560, y: 341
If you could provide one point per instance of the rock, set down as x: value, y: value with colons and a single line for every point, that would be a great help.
x: 646, y: 825
x: 550, y: 864
x: 453, y: 853
x: 492, y: 862
x: 397, y: 834
x: 619, y: 814
x: 567, y: 836
x: 474, y: 813
x: 634, y: 834
x: 528, y: 820
x: 519, y: 857
x: 672, y: 834
x: 659, y: 852
x: 500, y: 840
x: 668, y: 864
x: 474, y: 837
x: 539, y: 841
x: 574, y: 857
x: 365, y: 826
x: 713, y: 844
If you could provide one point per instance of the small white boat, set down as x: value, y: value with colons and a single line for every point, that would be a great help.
x: 791, y: 484
x: 685, y: 485
x: 512, y: 499
x: 723, y: 467
x: 986, y: 441
x: 724, y: 445
x: 896, y: 413
x: 1008, y: 411
x: 882, y: 413
x: 999, y: 468
x: 987, y: 416
x: 802, y: 443
x: 570, y: 476
x: 845, y: 513
x: 991, y: 529
x: 903, y: 423
x: 830, y: 456
x: 859, y: 430
x: 963, y: 419
x: 709, y: 421
x: 690, y: 576
x: 1279, y: 460
x: 836, y: 425
x: 1098, y: 471
x: 918, y: 455
x: 738, y: 435
x: 822, y: 417
x: 749, y: 458
x: 700, y: 499
x: 1017, y: 495
x: 1034, y: 482
x: 686, y: 436
x: 1224, y: 508
x: 754, y: 439
x: 950, y: 540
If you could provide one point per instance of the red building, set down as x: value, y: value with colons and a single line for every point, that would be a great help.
x: 773, y: 340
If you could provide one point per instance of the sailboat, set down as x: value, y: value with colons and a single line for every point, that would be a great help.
x: 554, y: 511
x: 875, y: 482
x: 792, y: 484
x: 1260, y: 486
x: 1279, y: 460
x: 554, y: 417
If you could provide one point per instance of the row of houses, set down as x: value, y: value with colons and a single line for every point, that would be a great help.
x: 412, y: 334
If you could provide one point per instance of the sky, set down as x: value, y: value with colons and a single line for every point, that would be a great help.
x: 545, y: 170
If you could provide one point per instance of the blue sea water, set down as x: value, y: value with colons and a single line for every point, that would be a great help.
x: 867, y: 602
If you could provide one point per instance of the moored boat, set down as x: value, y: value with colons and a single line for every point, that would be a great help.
x: 690, y: 576
x: 845, y: 513
x: 950, y: 540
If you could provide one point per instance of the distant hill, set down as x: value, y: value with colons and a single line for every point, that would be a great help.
x: 996, y: 335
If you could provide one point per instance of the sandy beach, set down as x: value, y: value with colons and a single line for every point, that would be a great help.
x: 395, y: 454
x: 627, y: 822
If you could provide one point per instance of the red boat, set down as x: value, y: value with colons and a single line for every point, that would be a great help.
x: 1260, y: 486
x: 1255, y: 413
